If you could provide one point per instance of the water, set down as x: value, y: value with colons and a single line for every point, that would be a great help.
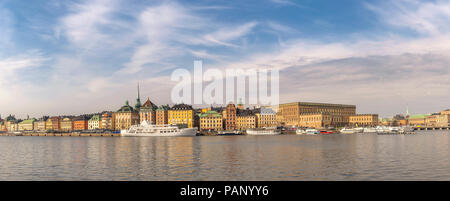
x: 424, y: 156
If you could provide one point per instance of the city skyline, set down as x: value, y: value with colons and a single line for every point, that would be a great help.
x: 77, y: 57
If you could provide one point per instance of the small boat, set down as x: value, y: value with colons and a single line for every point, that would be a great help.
x: 263, y: 131
x: 326, y: 132
x: 311, y: 131
x: 348, y: 131
x: 229, y: 133
x: 300, y: 131
x: 369, y: 130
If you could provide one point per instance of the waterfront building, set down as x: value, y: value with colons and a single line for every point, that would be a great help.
x: 26, y: 125
x: 182, y: 115
x: 2, y: 125
x: 447, y: 111
x: 39, y: 125
x: 66, y: 124
x: 289, y: 113
x: 55, y: 123
x: 443, y: 120
x: 245, y: 119
x: 107, y: 122
x: 211, y: 120
x: 366, y: 120
x: 80, y: 123
x: 417, y: 119
x: 148, y: 112
x: 315, y: 120
x: 125, y: 117
x: 266, y: 117
x: 94, y: 122
x: 162, y: 115
x: 431, y: 120
x: 11, y: 123
x: 229, y: 115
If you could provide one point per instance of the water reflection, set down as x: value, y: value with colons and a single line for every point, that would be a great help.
x: 423, y: 156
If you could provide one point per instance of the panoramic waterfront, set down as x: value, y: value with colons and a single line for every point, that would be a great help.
x: 421, y: 156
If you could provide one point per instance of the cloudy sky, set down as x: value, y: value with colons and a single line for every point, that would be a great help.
x: 83, y: 56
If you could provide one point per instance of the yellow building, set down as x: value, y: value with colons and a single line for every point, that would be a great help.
x: 125, y: 117
x: 39, y: 125
x: 66, y: 124
x: 445, y: 111
x: 431, y: 120
x: 364, y: 120
x: 289, y: 113
x: 417, y: 120
x: 26, y: 125
x: 266, y: 118
x: 443, y: 120
x: 211, y: 120
x: 315, y: 120
x: 245, y: 119
x: 182, y: 115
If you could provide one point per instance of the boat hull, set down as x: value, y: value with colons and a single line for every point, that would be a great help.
x: 272, y: 132
x: 186, y: 132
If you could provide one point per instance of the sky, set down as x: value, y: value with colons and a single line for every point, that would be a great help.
x: 86, y: 56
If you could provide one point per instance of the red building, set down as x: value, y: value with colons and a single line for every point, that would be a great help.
x: 230, y: 117
x: 80, y: 123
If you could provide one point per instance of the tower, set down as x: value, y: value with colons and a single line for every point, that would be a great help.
x: 138, y: 100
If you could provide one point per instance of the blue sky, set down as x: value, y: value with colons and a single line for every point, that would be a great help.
x: 74, y: 57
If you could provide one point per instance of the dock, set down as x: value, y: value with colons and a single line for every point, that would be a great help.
x: 64, y: 134
x: 431, y: 128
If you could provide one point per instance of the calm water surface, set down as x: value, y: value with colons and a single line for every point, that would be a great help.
x: 423, y: 156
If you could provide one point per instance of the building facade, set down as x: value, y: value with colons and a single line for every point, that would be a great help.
x: 245, y: 119
x: 315, y: 120
x: 148, y: 112
x: 364, y: 120
x: 39, y: 125
x: 162, y: 115
x: 66, y: 124
x: 417, y: 120
x: 182, y: 115
x: 26, y: 125
x: 211, y: 120
x: 230, y: 116
x: 443, y: 120
x: 80, y: 123
x: 289, y: 113
x: 94, y: 122
x: 107, y: 122
x: 125, y: 117
x: 266, y: 118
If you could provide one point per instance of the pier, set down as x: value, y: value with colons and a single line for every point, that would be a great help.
x: 429, y: 128
x: 64, y: 134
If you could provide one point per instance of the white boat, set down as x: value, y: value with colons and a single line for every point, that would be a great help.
x: 300, y: 131
x: 311, y: 131
x: 145, y: 129
x: 370, y: 130
x: 263, y: 131
x: 348, y: 131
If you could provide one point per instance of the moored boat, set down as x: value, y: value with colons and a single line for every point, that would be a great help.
x: 145, y: 129
x: 348, y: 131
x: 300, y: 131
x: 311, y: 131
x: 263, y: 131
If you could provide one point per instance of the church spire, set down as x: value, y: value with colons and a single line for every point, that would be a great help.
x: 138, y: 100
